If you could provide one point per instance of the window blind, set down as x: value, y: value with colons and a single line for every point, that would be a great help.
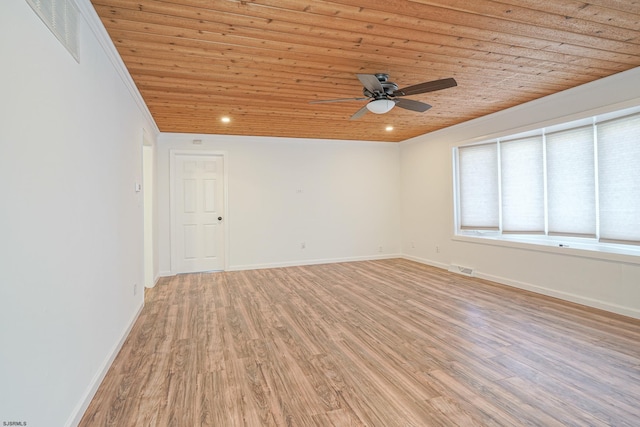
x: 619, y: 179
x: 571, y: 183
x: 521, y: 162
x: 478, y: 186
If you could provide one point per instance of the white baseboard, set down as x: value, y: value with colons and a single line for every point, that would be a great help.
x: 426, y: 261
x: 298, y: 263
x: 83, y: 404
x: 160, y: 275
x: 566, y: 296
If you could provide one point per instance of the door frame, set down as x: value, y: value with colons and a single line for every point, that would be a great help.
x: 173, y: 153
x: 149, y: 212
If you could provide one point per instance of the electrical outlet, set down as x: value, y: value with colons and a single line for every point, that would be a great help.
x: 303, y: 245
x: 413, y: 245
x: 135, y: 289
x: 380, y: 249
x: 437, y: 249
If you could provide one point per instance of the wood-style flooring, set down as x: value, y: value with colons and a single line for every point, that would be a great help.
x: 374, y: 343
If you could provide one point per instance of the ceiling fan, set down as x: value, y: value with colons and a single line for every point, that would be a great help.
x: 383, y: 95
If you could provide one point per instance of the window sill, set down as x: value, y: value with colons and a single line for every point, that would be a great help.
x: 557, y: 245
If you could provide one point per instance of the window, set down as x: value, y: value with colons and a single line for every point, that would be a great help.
x: 619, y: 173
x: 571, y: 182
x: 521, y: 164
x: 579, y: 182
x: 479, y: 187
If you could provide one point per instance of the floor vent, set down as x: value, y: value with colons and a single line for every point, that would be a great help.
x: 467, y: 271
x: 61, y: 17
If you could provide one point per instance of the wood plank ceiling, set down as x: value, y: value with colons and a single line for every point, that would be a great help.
x: 261, y: 62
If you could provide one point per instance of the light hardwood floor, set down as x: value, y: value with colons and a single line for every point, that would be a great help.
x: 375, y: 343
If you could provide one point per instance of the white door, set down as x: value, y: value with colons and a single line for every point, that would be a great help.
x: 197, y: 241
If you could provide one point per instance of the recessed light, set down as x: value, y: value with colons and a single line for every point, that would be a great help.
x: 389, y: 128
x: 225, y: 119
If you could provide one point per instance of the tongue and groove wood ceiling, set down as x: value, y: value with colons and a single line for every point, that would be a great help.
x: 261, y: 62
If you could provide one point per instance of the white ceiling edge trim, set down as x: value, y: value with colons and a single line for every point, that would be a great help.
x: 90, y: 16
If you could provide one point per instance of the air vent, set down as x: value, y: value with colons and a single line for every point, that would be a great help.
x: 61, y: 17
x: 466, y: 271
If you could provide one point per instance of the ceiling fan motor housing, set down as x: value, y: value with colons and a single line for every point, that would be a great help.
x: 387, y: 86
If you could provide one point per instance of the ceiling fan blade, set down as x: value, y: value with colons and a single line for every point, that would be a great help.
x: 324, y: 101
x: 426, y: 87
x: 370, y: 82
x: 361, y: 112
x: 410, y: 104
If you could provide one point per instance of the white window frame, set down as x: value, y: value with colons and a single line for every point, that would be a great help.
x: 572, y: 245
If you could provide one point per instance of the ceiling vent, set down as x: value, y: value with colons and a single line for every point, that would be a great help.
x: 61, y: 17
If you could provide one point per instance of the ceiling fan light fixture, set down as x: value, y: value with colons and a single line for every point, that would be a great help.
x: 380, y: 106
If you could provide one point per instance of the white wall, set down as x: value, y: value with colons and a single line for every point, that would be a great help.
x: 339, y: 197
x: 70, y: 221
x: 612, y: 283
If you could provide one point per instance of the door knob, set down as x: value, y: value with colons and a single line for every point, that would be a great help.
x: 219, y: 218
